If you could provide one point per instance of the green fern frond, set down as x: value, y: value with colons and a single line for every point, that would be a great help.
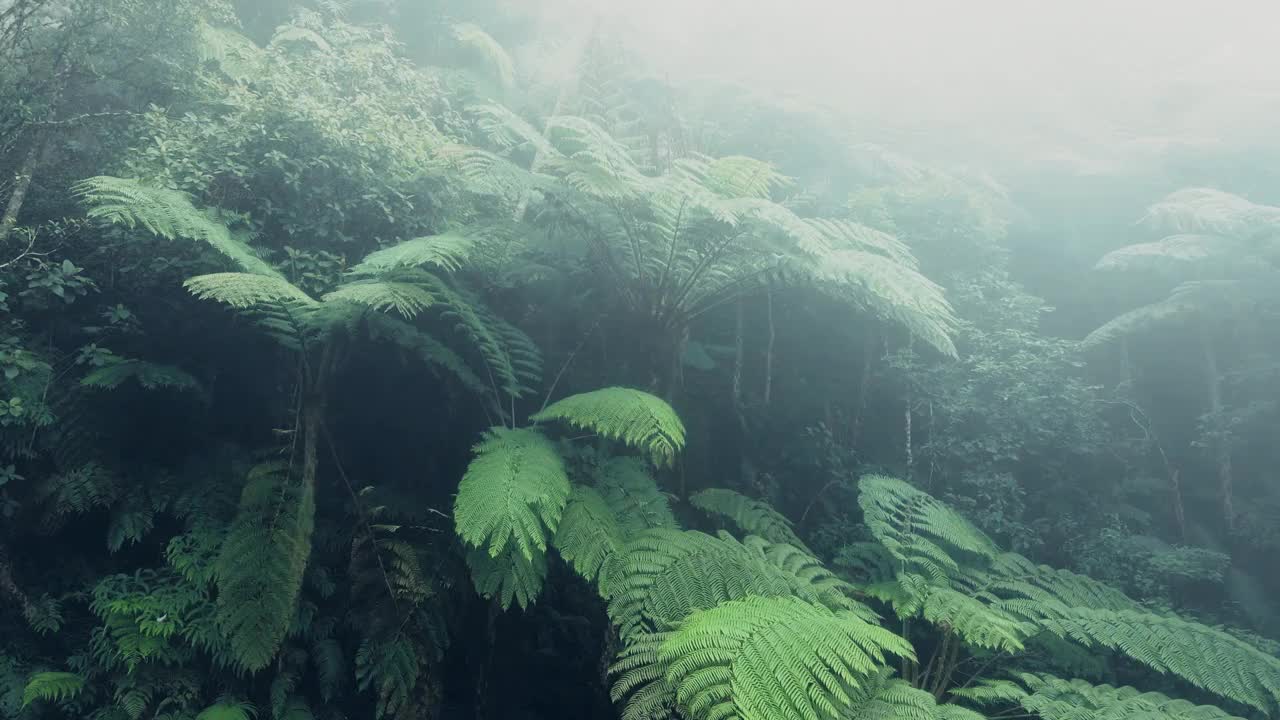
x: 243, y: 291
x: 1206, y: 657
x: 1053, y: 698
x: 915, y: 528
x: 150, y: 376
x: 481, y: 44
x: 512, y: 495
x: 1205, y: 210
x: 1169, y: 253
x: 406, y: 298
x: 767, y: 658
x: 509, y: 578
x: 741, y: 176
x: 889, y: 289
x: 1183, y: 303
x: 635, y: 418
x: 848, y: 235
x: 424, y: 347
x: 628, y: 489
x: 261, y: 565
x: 508, y: 130
x: 52, y: 687
x: 166, y: 213
x: 752, y: 517
x: 229, y: 709
x: 448, y: 252
x: 296, y: 35
x: 588, y: 535
x: 390, y: 670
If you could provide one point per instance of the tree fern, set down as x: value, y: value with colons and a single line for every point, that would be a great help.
x: 52, y: 687
x: 509, y: 503
x: 588, y: 535
x: 636, y: 500
x: 1052, y: 698
x: 166, y: 213
x: 390, y: 671
x: 260, y: 568
x: 749, y: 515
x: 489, y: 51
x: 635, y: 418
x: 406, y: 297
x: 229, y: 709
x: 150, y: 376
x: 448, y: 252
x: 245, y: 290
x: 766, y: 658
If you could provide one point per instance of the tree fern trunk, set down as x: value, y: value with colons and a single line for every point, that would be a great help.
x: 1222, y: 451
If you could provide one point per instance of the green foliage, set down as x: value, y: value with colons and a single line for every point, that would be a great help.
x: 260, y: 567
x: 1052, y: 698
x: 166, y: 213
x: 750, y: 516
x: 589, y: 534
x: 52, y: 687
x: 634, y: 418
x: 246, y: 290
x: 149, y: 376
x: 629, y: 490
x: 229, y: 709
x: 761, y: 658
x: 448, y: 252
x: 509, y: 503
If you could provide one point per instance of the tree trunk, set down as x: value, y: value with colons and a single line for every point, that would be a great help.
x: 21, y: 184
x: 864, y: 390
x: 9, y: 587
x: 768, y: 353
x: 1222, y: 449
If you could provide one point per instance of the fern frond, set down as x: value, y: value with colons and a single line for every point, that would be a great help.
x: 390, y: 670
x: 480, y: 43
x: 297, y: 35
x: 1206, y: 657
x: 508, y: 578
x: 635, y: 418
x: 424, y: 347
x: 166, y: 213
x: 889, y: 289
x: 448, y: 252
x: 245, y: 290
x: 588, y: 535
x: 406, y: 298
x: 513, y: 493
x: 150, y: 376
x: 740, y: 176
x: 229, y: 709
x: 1053, y: 698
x: 1169, y: 253
x: 751, y: 516
x: 261, y: 565
x: 52, y: 687
x: 635, y: 499
x: 767, y: 658
x: 1205, y: 210
x: 508, y: 130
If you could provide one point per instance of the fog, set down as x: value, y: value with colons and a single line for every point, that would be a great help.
x: 1042, y: 77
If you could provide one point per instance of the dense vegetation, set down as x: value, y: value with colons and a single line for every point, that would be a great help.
x: 356, y: 373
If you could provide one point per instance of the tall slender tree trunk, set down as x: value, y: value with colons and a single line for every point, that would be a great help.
x: 768, y: 352
x: 864, y: 391
x: 21, y: 184
x: 1222, y: 449
x: 1172, y: 474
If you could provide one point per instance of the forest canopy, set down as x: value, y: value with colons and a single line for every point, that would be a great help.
x: 408, y: 359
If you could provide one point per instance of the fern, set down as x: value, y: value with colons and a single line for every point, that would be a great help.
x: 166, y: 213
x: 149, y: 376
x: 261, y: 564
x: 448, y: 252
x: 483, y: 46
x: 630, y: 492
x: 635, y: 418
x: 52, y: 687
x: 424, y: 347
x: 390, y: 670
x: 234, y: 54
x: 229, y: 709
x: 766, y: 658
x: 589, y: 535
x: 245, y: 290
x: 406, y: 298
x: 512, y: 494
x: 508, y: 578
x: 1052, y: 698
x: 1171, y: 252
x: 750, y: 516
x: 509, y: 503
